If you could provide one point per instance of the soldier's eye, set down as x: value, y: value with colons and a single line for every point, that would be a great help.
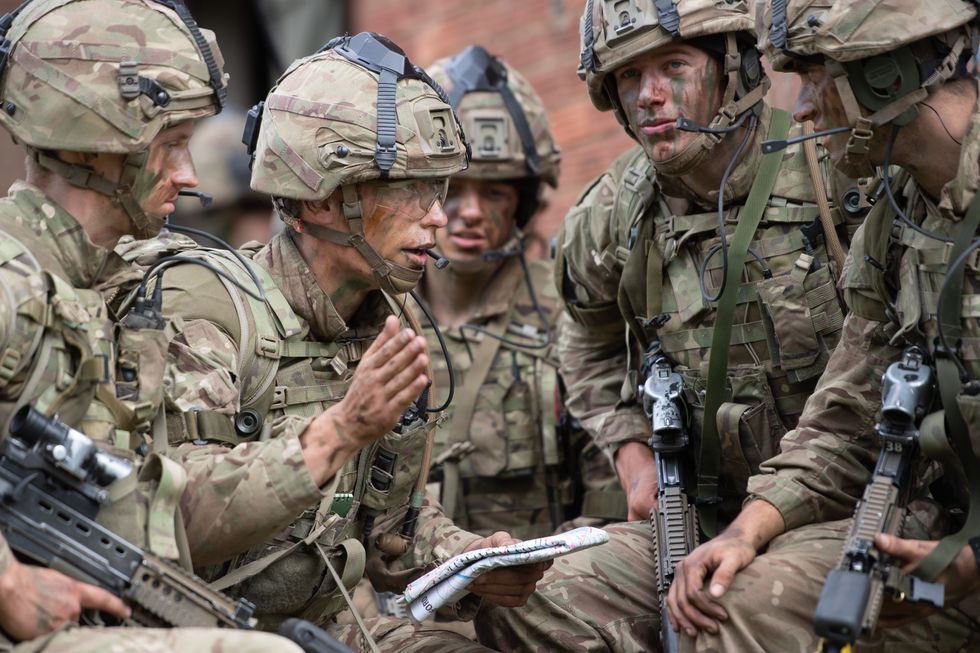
x: 629, y: 73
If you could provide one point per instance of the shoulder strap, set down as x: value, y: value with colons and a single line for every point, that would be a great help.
x: 755, y: 204
x: 950, y: 386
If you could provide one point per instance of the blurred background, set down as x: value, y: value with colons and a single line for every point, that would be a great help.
x: 259, y: 38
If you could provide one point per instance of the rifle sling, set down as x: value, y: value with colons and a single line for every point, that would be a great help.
x: 950, y: 386
x: 709, y: 463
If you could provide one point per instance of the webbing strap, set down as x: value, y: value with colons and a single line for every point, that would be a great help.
x: 161, y: 524
x: 459, y: 429
x: 709, y: 463
x: 834, y: 246
x: 950, y: 386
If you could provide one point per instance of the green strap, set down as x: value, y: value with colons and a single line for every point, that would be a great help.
x: 950, y: 386
x: 709, y: 464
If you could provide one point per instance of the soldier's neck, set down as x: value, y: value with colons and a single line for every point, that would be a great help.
x: 333, y: 267
x: 103, y: 221
x: 453, y: 298
x: 929, y: 147
x: 707, y: 177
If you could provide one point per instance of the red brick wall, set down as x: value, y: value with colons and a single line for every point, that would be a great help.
x: 541, y: 39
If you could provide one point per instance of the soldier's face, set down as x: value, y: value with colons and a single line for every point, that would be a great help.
x: 402, y: 218
x: 482, y: 216
x: 657, y: 88
x: 169, y: 169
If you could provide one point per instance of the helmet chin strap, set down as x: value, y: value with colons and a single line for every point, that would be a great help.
x: 392, y: 278
x: 731, y: 110
x: 134, y: 185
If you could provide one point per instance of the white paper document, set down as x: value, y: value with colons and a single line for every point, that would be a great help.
x: 447, y: 583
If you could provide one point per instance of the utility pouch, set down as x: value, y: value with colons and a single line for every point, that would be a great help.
x: 389, y: 486
x: 523, y: 448
x: 794, y: 344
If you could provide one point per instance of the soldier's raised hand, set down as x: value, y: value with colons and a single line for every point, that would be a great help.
x: 390, y: 376
x: 35, y: 601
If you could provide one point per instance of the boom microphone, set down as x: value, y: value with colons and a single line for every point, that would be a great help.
x: 441, y: 261
x: 777, y: 144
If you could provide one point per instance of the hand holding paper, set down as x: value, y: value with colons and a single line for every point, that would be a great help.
x: 450, y: 581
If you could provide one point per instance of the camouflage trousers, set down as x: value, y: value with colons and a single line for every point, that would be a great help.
x: 402, y: 636
x: 156, y: 640
x: 605, y: 599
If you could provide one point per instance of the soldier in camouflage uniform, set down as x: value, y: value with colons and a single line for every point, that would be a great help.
x: 503, y: 465
x: 355, y: 145
x: 105, y: 123
x: 641, y: 249
x: 897, y: 75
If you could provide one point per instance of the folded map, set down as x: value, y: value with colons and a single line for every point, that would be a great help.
x: 447, y: 583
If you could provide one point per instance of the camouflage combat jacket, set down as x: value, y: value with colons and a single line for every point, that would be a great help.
x: 505, y: 465
x: 892, y: 283
x: 271, y: 367
x: 628, y: 245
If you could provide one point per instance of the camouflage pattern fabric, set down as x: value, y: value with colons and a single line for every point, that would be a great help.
x: 205, y: 371
x: 505, y: 483
x: 146, y: 640
x: 402, y: 636
x: 327, y: 88
x: 61, y: 96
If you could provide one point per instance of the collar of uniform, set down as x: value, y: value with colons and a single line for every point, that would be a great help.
x: 85, y: 263
x: 282, y: 259
x: 739, y: 182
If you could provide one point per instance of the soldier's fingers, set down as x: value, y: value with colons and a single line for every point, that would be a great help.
x: 411, y: 392
x: 387, y: 333
x: 415, y: 356
x: 97, y: 598
x: 390, y: 350
x: 675, y: 597
x: 909, y: 551
x: 708, y: 606
x: 406, y: 374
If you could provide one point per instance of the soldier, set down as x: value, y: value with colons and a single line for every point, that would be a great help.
x: 502, y: 460
x: 106, y: 124
x: 921, y: 114
x: 355, y: 145
x: 642, y: 248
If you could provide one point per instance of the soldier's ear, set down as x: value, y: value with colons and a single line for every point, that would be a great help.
x: 323, y: 212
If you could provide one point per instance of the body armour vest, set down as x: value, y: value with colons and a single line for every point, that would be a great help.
x: 788, y: 314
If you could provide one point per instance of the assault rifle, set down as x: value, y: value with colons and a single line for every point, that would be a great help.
x: 852, y: 596
x: 53, y: 482
x: 674, y: 520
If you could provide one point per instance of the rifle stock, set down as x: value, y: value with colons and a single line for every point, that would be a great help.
x: 674, y: 520
x: 854, y: 592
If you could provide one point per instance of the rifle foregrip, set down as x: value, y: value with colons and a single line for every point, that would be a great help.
x: 310, y: 638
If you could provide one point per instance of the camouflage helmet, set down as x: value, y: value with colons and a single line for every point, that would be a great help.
x: 885, y: 58
x: 506, y: 122
x: 357, y: 110
x: 105, y: 76
x: 617, y: 31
